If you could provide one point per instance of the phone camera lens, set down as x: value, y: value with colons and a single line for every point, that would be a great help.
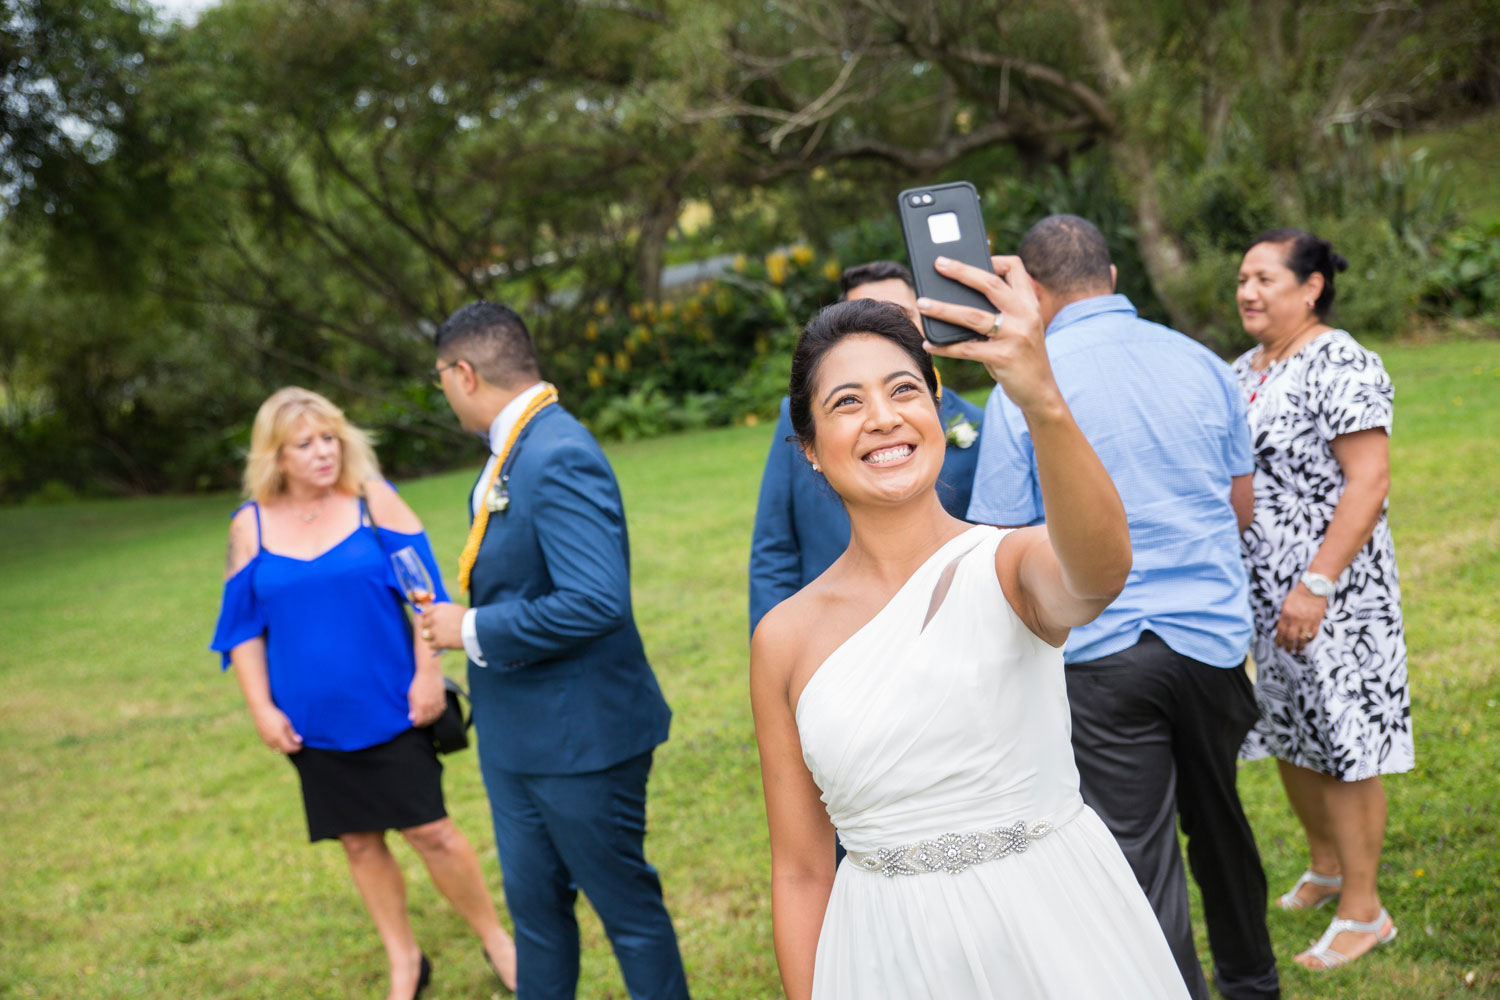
x: 915, y: 200
x: 927, y: 199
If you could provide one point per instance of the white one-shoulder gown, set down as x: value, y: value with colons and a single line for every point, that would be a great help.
x: 961, y: 727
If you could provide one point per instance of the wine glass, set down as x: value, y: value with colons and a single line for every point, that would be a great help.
x: 412, y: 574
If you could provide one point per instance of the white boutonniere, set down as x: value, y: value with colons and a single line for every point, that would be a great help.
x: 961, y: 433
x: 498, y: 498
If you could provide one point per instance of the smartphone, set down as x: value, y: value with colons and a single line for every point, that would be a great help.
x: 944, y: 221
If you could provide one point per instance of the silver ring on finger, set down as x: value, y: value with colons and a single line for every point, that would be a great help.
x: 994, y: 330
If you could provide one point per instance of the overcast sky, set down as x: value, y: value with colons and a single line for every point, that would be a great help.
x: 187, y: 10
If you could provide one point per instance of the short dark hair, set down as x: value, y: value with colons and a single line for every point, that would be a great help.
x: 1067, y: 255
x: 868, y: 317
x: 875, y: 270
x: 1306, y: 253
x: 493, y: 339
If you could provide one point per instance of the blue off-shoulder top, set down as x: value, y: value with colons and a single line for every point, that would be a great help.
x: 338, y: 642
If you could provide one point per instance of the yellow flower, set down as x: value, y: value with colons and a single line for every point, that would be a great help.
x: 601, y: 361
x: 831, y: 269
x: 668, y: 310
x: 596, y: 378
x: 643, y: 334
x: 721, y: 302
x: 622, y: 361
x: 704, y: 287
x: 591, y: 330
x: 601, y: 307
x: 650, y: 310
x: 802, y: 254
x: 751, y: 420
x: 739, y: 263
x: 776, y: 267
x: 635, y: 311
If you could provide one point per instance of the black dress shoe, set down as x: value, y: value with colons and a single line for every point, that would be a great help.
x: 504, y: 990
x: 423, y: 978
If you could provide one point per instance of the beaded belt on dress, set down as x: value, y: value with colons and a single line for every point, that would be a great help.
x: 951, y: 852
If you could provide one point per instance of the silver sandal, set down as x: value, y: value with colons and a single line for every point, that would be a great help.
x: 1333, y: 959
x: 1290, y: 900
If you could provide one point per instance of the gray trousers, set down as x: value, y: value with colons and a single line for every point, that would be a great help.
x: 1156, y: 735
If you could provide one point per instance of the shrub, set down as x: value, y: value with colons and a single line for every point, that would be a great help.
x: 1464, y: 277
x: 718, y: 354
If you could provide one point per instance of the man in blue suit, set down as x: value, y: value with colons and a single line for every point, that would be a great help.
x: 800, y: 523
x: 567, y: 709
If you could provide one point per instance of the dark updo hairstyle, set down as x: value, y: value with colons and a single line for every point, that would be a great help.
x: 1306, y: 253
x: 868, y: 317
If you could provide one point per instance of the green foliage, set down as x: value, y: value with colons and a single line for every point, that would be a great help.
x: 645, y: 411
x: 1464, y: 279
x: 1382, y: 208
x: 716, y: 355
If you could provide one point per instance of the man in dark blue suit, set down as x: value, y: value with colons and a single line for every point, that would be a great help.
x: 800, y: 523
x: 567, y: 709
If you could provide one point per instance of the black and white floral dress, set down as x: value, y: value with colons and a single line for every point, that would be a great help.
x: 1341, y: 706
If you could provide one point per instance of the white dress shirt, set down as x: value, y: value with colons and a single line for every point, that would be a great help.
x: 504, y: 423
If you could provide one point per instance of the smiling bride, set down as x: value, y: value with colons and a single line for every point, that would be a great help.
x: 912, y: 697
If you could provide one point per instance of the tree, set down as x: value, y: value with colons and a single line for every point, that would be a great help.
x: 1170, y: 89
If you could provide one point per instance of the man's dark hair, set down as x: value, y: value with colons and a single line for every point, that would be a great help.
x: 868, y: 317
x: 1306, y: 253
x: 875, y: 270
x: 1067, y: 255
x: 493, y: 339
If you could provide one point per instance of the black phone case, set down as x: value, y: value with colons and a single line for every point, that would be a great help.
x: 972, y: 247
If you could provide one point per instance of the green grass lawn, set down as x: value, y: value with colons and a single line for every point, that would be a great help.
x: 153, y: 846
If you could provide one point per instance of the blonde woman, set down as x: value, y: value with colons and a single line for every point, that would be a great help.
x: 332, y: 673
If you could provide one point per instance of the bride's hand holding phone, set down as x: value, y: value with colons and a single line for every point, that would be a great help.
x: 1014, y: 349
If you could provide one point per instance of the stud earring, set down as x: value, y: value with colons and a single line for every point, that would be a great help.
x: 817, y: 467
x: 1309, y: 304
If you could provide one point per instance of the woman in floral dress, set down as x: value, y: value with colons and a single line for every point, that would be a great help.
x: 1329, y: 647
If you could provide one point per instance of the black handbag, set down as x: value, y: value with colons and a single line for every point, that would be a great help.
x: 449, y: 731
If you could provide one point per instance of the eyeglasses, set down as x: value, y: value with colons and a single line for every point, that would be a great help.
x: 437, y: 372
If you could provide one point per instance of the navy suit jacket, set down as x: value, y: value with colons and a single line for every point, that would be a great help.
x: 801, y: 526
x: 568, y: 689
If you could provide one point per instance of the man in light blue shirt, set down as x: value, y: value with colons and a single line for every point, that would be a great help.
x: 1156, y: 684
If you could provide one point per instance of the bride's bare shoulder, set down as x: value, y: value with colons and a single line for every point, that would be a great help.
x: 775, y: 634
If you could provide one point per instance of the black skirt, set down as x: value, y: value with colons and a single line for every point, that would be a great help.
x: 390, y: 786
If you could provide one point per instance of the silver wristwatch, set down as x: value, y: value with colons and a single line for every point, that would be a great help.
x: 1318, y: 584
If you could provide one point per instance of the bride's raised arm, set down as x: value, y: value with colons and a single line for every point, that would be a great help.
x: 1064, y: 574
x: 802, y: 836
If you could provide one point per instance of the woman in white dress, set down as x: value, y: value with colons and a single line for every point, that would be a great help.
x: 912, y: 697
